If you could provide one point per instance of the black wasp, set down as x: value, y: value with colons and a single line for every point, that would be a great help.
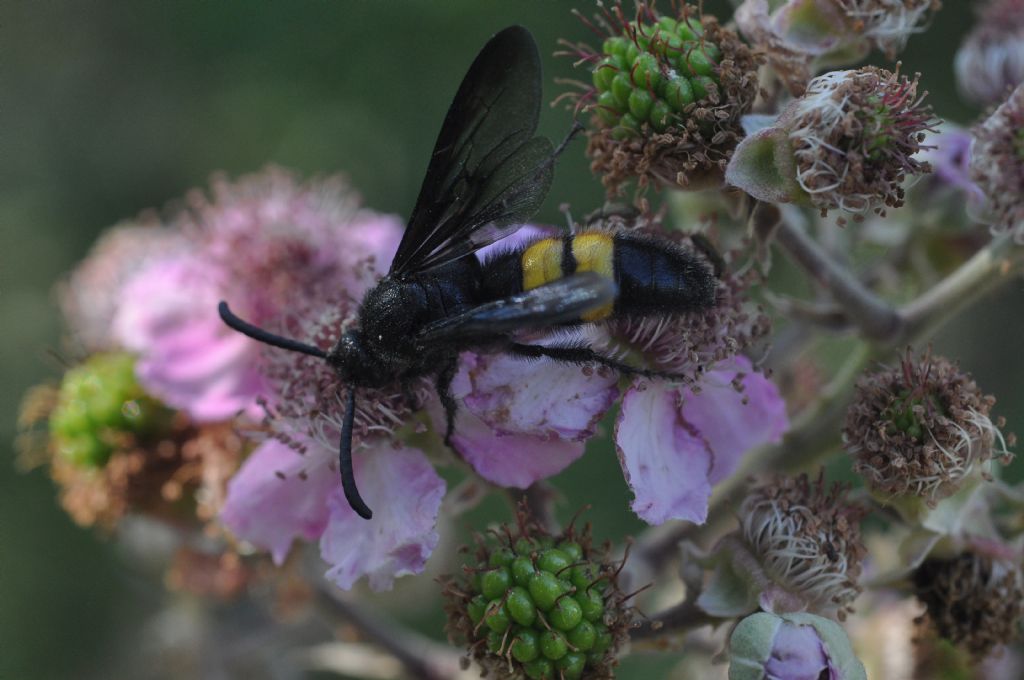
x: 489, y: 174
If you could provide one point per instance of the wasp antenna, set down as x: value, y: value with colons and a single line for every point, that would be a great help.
x: 246, y: 328
x: 577, y: 127
x: 348, y: 477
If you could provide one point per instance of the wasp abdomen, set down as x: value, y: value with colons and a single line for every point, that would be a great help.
x: 653, y: 276
x: 659, y: 277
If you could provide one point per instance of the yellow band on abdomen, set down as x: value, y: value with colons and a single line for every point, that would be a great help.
x: 542, y: 263
x: 593, y: 253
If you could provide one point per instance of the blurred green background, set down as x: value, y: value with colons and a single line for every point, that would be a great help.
x: 109, y: 108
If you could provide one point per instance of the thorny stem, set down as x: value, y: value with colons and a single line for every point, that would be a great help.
x: 422, y: 658
x: 681, y: 618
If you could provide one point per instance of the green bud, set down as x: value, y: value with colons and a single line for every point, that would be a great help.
x: 501, y: 557
x: 583, y: 636
x: 621, y: 89
x: 522, y: 569
x: 603, y: 641
x: 640, y: 102
x: 494, y: 642
x: 679, y: 93
x: 698, y: 63
x: 566, y: 614
x: 572, y: 549
x: 476, y: 609
x: 661, y: 115
x: 648, y: 73
x: 553, y: 560
x: 571, y: 665
x: 545, y: 589
x: 553, y: 645
x: 753, y: 644
x: 540, y: 669
x: 702, y: 86
x: 628, y: 127
x: 495, y: 582
x: 591, y: 603
x: 603, y: 75
x: 525, y: 646
x: 99, y: 402
x: 520, y: 606
x: 496, y: 617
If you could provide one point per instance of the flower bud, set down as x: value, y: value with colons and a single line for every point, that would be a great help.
x: 100, y: 404
x: 801, y: 37
x: 920, y: 429
x: 991, y: 59
x: 797, y: 646
x: 536, y: 605
x: 798, y: 548
x: 848, y: 143
x: 975, y: 600
x: 667, y: 95
x: 997, y: 165
x: 113, y: 449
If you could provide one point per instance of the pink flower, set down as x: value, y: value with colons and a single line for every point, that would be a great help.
x: 523, y: 421
x: 260, y: 243
x: 674, y: 443
x: 278, y: 495
x: 91, y: 295
x: 187, y: 356
x: 401, y: 535
x: 282, y: 494
x: 950, y: 158
x: 991, y: 59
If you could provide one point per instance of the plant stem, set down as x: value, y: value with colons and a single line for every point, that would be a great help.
x: 986, y: 271
x: 422, y: 658
x: 681, y: 618
x: 875, y: 318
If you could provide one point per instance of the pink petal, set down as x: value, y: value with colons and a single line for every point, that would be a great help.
x: 405, y: 493
x: 279, y: 495
x: 665, y: 463
x: 542, y: 397
x: 516, y: 460
x: 522, y: 421
x: 187, y: 356
x: 731, y: 422
x: 674, y: 444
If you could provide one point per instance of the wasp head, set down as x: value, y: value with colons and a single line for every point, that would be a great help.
x: 355, y: 364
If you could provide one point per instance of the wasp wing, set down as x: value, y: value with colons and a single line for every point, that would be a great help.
x: 558, y: 302
x: 488, y: 173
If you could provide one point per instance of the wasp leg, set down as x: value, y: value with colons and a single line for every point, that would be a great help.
x: 409, y: 397
x: 585, y: 355
x: 444, y: 391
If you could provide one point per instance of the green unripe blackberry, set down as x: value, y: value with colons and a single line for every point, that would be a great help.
x: 525, y: 646
x: 667, y: 94
x: 539, y: 669
x: 494, y: 583
x: 100, y: 408
x: 655, y: 76
x: 572, y: 665
x: 553, y: 645
x: 533, y: 605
